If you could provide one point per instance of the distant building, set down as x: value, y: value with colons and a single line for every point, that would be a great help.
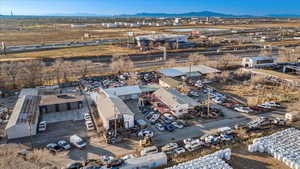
x: 78, y: 25
x: 178, y: 103
x: 259, y: 62
x: 160, y: 39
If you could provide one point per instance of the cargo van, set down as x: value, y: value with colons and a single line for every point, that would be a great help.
x: 77, y: 141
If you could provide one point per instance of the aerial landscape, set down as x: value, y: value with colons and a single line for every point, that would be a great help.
x: 138, y: 84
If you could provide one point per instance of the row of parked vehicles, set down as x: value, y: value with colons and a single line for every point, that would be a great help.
x: 192, y: 144
x: 163, y: 122
x: 62, y: 145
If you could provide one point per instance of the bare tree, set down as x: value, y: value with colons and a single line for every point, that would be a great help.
x: 287, y: 55
x: 265, y: 52
x: 195, y: 58
x: 121, y: 64
x: 57, y: 68
x: 171, y: 62
x: 34, y: 71
x: 11, y: 70
x: 228, y: 60
x: 82, y: 67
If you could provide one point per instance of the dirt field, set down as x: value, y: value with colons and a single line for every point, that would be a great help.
x: 75, y: 52
x: 242, y: 159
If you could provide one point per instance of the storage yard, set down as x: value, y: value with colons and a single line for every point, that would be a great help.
x: 170, y: 92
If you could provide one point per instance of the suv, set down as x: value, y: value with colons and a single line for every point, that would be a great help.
x: 42, y: 126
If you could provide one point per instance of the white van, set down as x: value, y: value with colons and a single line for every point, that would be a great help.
x: 77, y: 141
x: 149, y: 150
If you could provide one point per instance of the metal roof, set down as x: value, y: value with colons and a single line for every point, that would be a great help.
x: 110, y: 106
x: 25, y: 110
x: 197, y: 68
x: 180, y: 71
x: 173, y: 98
x: 59, y: 99
x: 29, y: 91
x: 171, y: 72
x: 123, y: 91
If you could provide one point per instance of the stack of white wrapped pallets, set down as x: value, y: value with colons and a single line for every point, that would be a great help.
x: 211, y: 161
x: 283, y: 145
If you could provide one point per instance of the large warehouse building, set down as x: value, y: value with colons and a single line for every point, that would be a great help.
x: 113, y: 110
x: 24, y: 119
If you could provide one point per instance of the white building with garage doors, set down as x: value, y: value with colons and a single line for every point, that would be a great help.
x: 259, y: 62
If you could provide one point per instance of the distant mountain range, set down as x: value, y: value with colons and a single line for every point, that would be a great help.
x: 188, y: 14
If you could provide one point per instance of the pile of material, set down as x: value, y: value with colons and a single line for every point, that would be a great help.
x: 214, y: 161
x: 283, y: 145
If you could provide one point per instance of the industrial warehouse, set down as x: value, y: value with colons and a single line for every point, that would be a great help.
x: 33, y: 105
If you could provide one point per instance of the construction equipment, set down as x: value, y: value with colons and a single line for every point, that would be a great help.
x: 146, y: 141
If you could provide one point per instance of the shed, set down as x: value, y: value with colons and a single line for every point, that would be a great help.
x: 24, y: 118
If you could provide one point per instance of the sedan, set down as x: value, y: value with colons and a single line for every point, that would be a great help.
x: 160, y: 127
x: 177, y: 125
x: 64, y: 144
x: 54, y: 147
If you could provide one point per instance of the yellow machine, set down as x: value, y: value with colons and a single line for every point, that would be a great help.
x: 147, y: 141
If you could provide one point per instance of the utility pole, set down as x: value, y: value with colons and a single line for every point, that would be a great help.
x: 115, y: 121
x: 3, y: 48
x: 208, y: 101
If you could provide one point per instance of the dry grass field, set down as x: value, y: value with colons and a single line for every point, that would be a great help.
x: 86, y: 51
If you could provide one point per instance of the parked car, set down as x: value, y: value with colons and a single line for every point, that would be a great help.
x: 179, y: 150
x: 177, y: 125
x: 154, y: 118
x: 169, y: 116
x: 141, y: 123
x: 193, y: 144
x: 169, y: 147
x: 273, y: 104
x: 64, y: 144
x: 170, y: 127
x: 243, y: 109
x: 217, y: 100
x: 89, y: 125
x: 160, y: 127
x: 87, y: 117
x: 144, y: 133
x: 265, y: 106
x: 42, y: 126
x: 53, y: 147
x: 149, y: 150
x: 77, y: 141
